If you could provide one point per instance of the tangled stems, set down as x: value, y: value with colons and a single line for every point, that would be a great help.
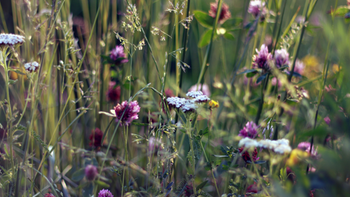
x: 9, y: 109
x: 189, y: 133
x: 125, y: 173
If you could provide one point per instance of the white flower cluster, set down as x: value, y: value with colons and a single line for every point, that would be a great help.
x: 280, y: 146
x: 194, y: 94
x: 188, y: 104
x: 31, y: 66
x: 10, y: 39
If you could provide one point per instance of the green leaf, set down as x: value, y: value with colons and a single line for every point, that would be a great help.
x: 221, y: 156
x: 205, y: 38
x: 320, y: 131
x: 231, y: 23
x: 102, y: 184
x: 204, y: 132
x: 88, y: 190
x: 200, y: 186
x: 78, y: 175
x: 12, y: 81
x: 341, y: 11
x: 229, y: 36
x: 262, y: 77
x: 204, y: 19
x: 248, y: 71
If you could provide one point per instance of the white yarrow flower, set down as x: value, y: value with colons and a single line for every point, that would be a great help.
x: 31, y: 66
x: 194, y: 94
x: 201, y: 99
x: 248, y: 143
x: 10, y: 39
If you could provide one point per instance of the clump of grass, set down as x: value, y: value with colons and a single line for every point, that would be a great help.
x: 174, y: 98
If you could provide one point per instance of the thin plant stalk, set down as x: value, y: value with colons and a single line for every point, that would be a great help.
x: 208, y: 52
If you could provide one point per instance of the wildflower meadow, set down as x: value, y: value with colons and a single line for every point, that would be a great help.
x: 174, y: 98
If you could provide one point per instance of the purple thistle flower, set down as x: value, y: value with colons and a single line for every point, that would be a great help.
x: 118, y: 55
x: 105, y: 193
x: 130, y: 114
x: 90, y: 172
x: 261, y: 60
x: 250, y: 130
x: 281, y: 58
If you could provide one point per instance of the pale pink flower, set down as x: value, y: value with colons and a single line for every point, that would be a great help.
x: 204, y: 89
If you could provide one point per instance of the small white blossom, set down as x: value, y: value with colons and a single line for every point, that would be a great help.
x: 189, y: 105
x: 201, y: 99
x: 10, y: 39
x: 248, y: 143
x: 31, y: 66
x: 176, y: 101
x: 280, y: 146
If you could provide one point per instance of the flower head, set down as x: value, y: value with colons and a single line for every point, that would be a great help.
x: 250, y: 130
x: 213, y: 104
x: 255, y: 7
x: 130, y: 114
x: 113, y: 93
x: 194, y: 94
x: 31, y: 66
x: 49, y: 195
x: 10, y: 40
x: 327, y: 120
x: 90, y: 172
x: 224, y: 14
x: 305, y: 146
x: 118, y: 55
x: 205, y: 89
x: 96, y: 138
x: 261, y: 60
x: 296, y: 156
x: 246, y: 155
x: 105, y: 193
x: 281, y: 58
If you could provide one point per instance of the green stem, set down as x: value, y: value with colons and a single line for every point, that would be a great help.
x: 9, y: 109
x: 207, y: 54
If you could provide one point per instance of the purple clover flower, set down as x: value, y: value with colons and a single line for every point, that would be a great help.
x: 250, y: 130
x: 130, y: 114
x: 261, y: 60
x: 90, y: 172
x: 255, y: 7
x: 105, y: 193
x: 281, y: 58
x: 118, y: 55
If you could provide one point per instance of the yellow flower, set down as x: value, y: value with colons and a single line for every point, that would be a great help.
x: 213, y: 104
x: 296, y: 156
